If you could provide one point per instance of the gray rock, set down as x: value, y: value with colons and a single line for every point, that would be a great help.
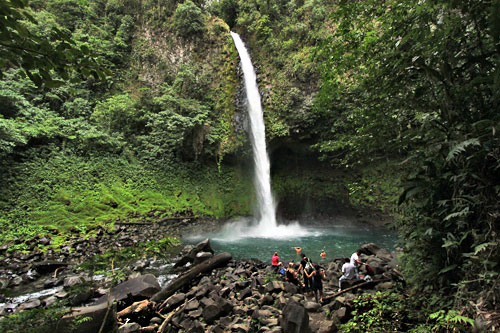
x: 337, y: 303
x: 291, y: 288
x: 190, y: 253
x: 16, y: 280
x: 195, y: 314
x: 29, y: 305
x: 202, y: 256
x: 98, y: 313
x: 342, y: 315
x: 261, y: 314
x: 295, y: 318
x: 129, y: 328
x: 312, y: 306
x: 174, y: 300
x: 140, y: 265
x: 282, y: 301
x: 49, y: 301
x: 240, y: 328
x: 270, y: 322
x: 245, y: 293
x: 384, y: 285
x: 207, y: 301
x: 192, y: 305
x: 156, y: 320
x: 225, y: 321
x: 211, y: 313
x: 275, y: 286
x: 266, y: 300
x: 71, y: 281
x: 79, y: 298
x: 140, y: 288
x: 52, y: 282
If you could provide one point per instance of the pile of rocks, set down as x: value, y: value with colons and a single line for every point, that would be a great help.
x: 212, y: 293
x: 218, y: 294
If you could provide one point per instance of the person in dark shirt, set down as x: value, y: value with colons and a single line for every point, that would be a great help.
x: 302, y: 269
x: 317, y: 276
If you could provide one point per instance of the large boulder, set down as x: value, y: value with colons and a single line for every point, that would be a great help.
x: 294, y: 318
x: 139, y: 288
x: 99, y: 315
x: 190, y: 253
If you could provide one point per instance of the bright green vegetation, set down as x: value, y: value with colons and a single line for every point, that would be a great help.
x: 88, y: 192
x: 33, y: 320
x: 386, y: 100
x: 151, y: 137
x: 396, y: 312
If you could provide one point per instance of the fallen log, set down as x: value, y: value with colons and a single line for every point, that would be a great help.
x: 329, y: 298
x: 185, y: 278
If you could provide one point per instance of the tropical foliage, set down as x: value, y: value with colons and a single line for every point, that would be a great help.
x: 384, y: 98
x: 419, y: 81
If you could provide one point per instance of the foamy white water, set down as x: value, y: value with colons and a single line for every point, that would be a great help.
x: 266, y: 225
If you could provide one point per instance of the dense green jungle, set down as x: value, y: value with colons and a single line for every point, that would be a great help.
x: 123, y: 110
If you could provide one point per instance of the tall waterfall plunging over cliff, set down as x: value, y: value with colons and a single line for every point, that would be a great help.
x: 265, y: 202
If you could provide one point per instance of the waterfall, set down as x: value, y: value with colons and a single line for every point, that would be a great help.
x: 262, y: 180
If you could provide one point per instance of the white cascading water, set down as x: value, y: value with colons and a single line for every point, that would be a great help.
x: 265, y: 201
x: 266, y: 225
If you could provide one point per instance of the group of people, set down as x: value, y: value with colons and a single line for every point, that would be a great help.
x: 309, y: 276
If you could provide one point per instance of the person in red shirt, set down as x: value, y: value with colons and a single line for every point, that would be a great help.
x: 276, y: 262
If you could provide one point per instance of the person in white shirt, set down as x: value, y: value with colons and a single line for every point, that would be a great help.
x: 349, y: 273
x: 355, y: 259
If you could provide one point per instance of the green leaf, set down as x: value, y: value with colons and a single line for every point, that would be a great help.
x: 482, y: 247
x: 447, y: 269
x: 461, y: 147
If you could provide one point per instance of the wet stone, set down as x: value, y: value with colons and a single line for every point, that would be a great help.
x: 30, y: 305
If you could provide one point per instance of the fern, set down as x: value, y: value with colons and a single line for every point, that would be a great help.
x: 461, y: 147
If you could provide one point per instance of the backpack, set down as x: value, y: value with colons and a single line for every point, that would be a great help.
x: 309, y: 266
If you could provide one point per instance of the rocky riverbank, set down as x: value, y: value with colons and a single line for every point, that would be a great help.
x: 47, y: 264
x: 214, y: 293
x: 201, y: 292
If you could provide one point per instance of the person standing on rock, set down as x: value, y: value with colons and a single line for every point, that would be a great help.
x: 306, y: 267
x: 355, y: 260
x: 317, y: 276
x: 349, y: 272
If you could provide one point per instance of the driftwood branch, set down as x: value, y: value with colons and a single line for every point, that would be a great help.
x: 206, y: 266
x: 168, y: 318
